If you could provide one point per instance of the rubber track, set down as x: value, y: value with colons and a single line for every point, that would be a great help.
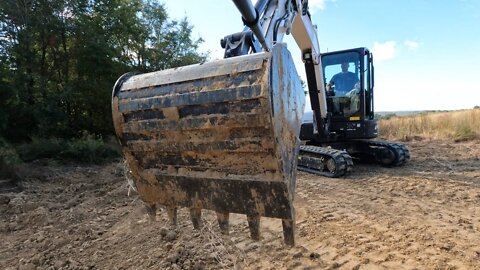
x: 402, y: 155
x: 313, y: 159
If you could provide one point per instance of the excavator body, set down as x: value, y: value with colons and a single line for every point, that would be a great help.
x: 222, y: 136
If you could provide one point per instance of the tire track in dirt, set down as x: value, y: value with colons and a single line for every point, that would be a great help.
x: 384, y: 220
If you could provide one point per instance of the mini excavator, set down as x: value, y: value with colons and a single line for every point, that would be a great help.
x: 228, y: 135
x: 349, y: 124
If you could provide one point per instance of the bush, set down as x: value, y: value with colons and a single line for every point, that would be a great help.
x: 88, y: 148
x: 40, y: 148
x: 8, y: 159
x: 464, y: 133
x: 8, y: 154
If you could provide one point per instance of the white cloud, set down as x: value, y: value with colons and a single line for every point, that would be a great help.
x: 412, y: 45
x: 384, y: 51
x: 316, y: 5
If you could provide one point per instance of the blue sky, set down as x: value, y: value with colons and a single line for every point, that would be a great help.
x: 426, y: 53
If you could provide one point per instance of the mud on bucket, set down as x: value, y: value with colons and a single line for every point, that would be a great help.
x: 221, y: 136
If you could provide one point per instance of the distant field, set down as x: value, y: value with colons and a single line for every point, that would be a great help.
x: 397, y: 113
x: 455, y: 125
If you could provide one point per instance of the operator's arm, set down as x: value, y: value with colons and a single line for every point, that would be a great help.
x: 334, y: 79
x: 330, y: 86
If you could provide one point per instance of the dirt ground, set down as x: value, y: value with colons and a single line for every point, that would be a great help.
x: 425, y: 215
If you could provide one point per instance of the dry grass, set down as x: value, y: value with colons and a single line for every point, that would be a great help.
x: 456, y: 125
x: 226, y: 254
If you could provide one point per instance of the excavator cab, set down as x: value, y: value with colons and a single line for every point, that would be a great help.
x: 350, y: 124
x: 349, y: 82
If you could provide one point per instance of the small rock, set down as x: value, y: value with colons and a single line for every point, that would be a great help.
x: 40, y: 238
x: 171, y: 235
x: 298, y: 255
x: 163, y: 232
x: 37, y: 259
x: 187, y: 264
x: 199, y: 266
x: 253, y: 246
x: 190, y: 246
x: 314, y: 256
x: 447, y: 246
x: 169, y: 246
x: 212, y: 255
x: 16, y: 202
x: 335, y: 265
x: 4, y: 200
x: 60, y: 264
x: 295, y: 265
x: 174, y: 258
x: 28, y: 266
x: 176, y: 267
x: 181, y: 251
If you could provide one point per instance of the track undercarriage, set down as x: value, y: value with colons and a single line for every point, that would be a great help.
x: 336, y: 160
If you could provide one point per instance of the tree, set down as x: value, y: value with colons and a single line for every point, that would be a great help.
x: 60, y: 59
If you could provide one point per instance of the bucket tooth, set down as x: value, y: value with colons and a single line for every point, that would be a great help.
x: 254, y: 226
x: 288, y: 231
x: 223, y: 222
x: 151, y: 211
x: 196, y: 217
x: 172, y: 215
x: 221, y: 136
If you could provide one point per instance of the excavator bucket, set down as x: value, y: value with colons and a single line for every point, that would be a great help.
x: 221, y: 136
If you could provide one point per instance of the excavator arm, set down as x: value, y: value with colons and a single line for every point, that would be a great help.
x: 270, y: 21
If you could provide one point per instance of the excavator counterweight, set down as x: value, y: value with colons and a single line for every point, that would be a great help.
x: 222, y: 136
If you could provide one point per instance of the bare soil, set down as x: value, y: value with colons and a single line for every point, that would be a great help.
x: 424, y: 215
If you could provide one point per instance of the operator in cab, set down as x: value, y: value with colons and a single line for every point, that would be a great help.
x: 343, y: 81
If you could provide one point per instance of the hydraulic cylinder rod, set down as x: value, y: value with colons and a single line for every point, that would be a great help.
x: 250, y: 17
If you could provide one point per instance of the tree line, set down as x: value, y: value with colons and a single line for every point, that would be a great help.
x: 59, y: 60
